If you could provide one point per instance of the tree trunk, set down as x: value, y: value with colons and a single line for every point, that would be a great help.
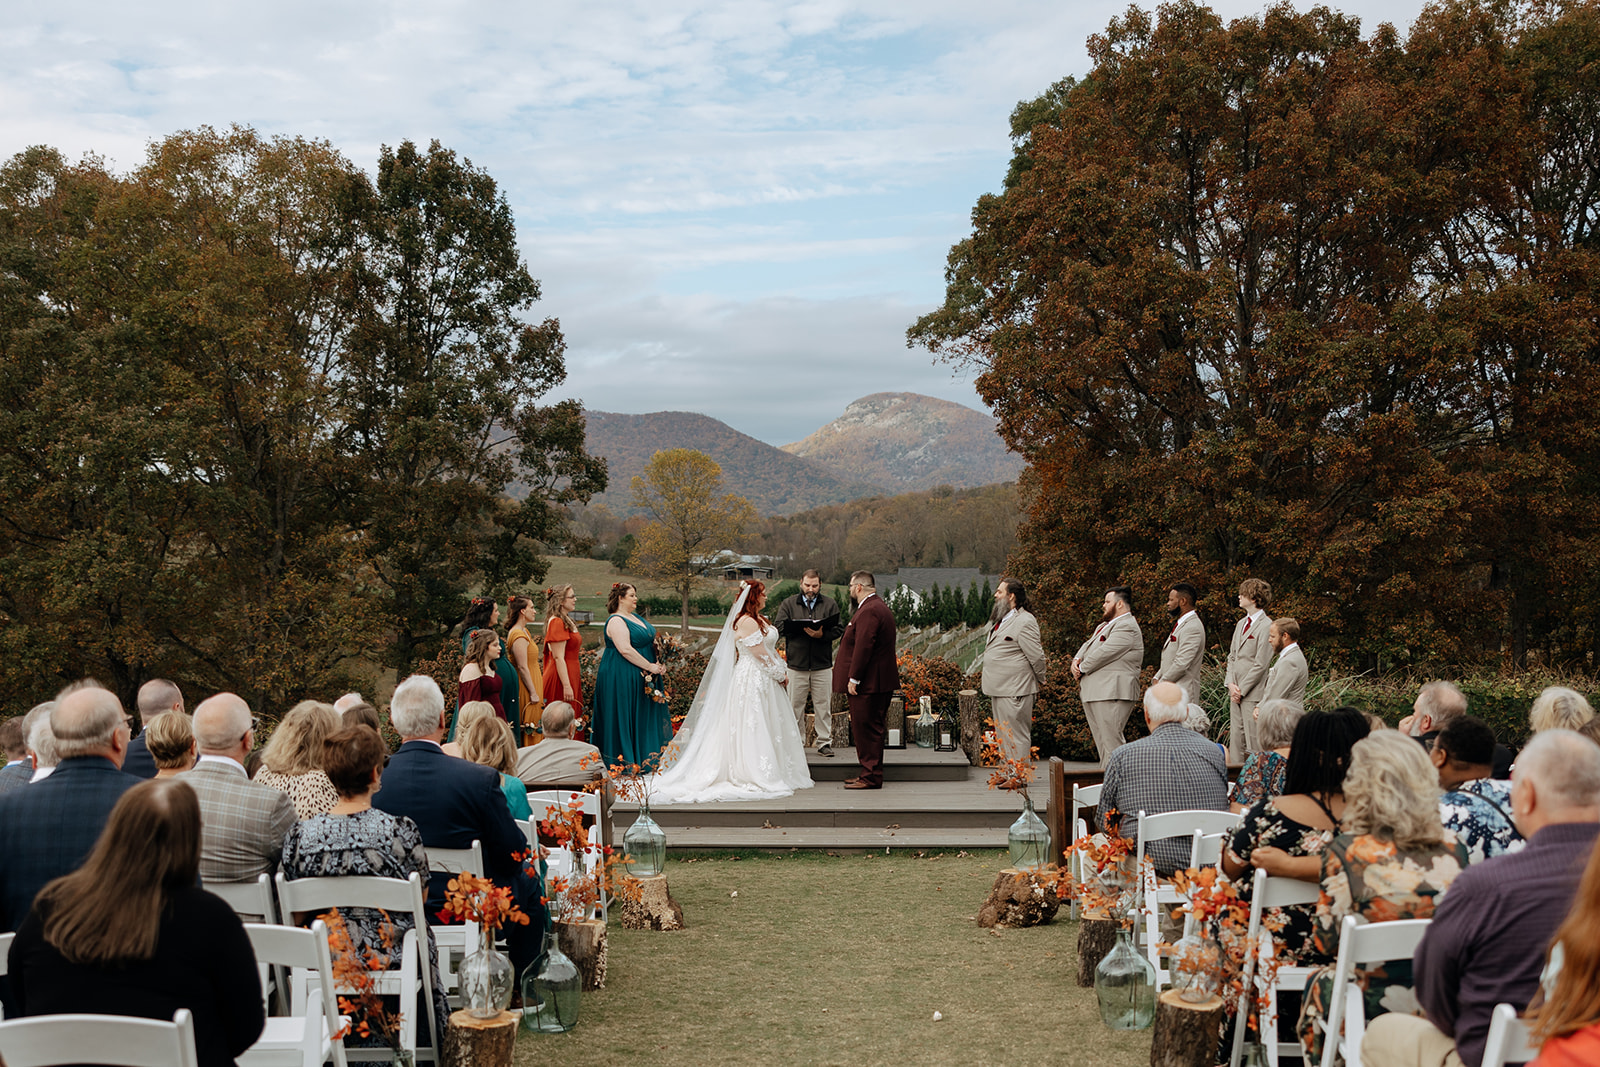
x: 1186, y: 1035
x: 840, y: 709
x: 1018, y: 899
x: 684, y: 625
x: 1096, y: 935
x: 655, y: 909
x: 473, y: 1042
x: 585, y: 944
x: 971, y: 725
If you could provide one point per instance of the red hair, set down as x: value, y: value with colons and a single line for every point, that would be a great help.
x: 750, y: 601
x: 1574, y: 1003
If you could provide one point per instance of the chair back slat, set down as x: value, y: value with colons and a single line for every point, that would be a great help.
x: 1509, y: 1039
x: 307, y: 955
x: 247, y: 898
x: 111, y: 1040
x: 457, y: 860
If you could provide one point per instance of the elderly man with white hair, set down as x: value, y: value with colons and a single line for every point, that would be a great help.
x: 242, y: 823
x: 1174, y: 769
x: 1485, y: 945
x: 48, y: 828
x: 42, y: 743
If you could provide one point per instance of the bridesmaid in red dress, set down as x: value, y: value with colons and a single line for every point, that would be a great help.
x: 562, y: 643
x: 478, y: 679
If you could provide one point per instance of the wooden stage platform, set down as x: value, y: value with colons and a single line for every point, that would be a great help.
x: 929, y: 799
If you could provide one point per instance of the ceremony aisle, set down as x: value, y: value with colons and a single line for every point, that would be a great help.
x: 839, y: 960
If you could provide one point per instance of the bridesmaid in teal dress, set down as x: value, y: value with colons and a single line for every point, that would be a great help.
x: 627, y: 724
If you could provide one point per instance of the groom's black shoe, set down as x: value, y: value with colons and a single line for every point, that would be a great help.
x: 825, y: 750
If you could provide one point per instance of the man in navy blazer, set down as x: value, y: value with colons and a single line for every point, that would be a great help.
x: 455, y: 802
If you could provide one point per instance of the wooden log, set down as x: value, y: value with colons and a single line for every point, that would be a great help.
x: 972, y: 714
x: 473, y: 1042
x: 1186, y: 1035
x: 585, y: 944
x: 1055, y: 812
x: 841, y: 720
x: 655, y: 909
x: 1097, y: 933
x: 1020, y: 898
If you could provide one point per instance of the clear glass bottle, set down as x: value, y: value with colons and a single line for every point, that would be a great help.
x: 1028, y: 837
x: 927, y: 729
x: 645, y: 844
x: 486, y: 978
x: 1196, y: 967
x: 551, y: 991
x: 1125, y: 986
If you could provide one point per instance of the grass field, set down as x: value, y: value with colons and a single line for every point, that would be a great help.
x: 806, y: 958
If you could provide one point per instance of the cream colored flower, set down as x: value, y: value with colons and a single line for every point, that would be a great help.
x: 1401, y: 1001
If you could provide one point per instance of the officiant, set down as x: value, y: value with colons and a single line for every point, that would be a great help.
x: 810, y: 624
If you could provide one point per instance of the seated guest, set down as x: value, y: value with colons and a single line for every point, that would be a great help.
x: 348, y: 701
x: 1483, y: 946
x: 559, y: 760
x: 1297, y: 826
x: 42, y: 747
x: 242, y: 822
x: 354, y: 839
x: 291, y: 763
x: 1566, y: 1024
x: 1174, y: 769
x: 169, y: 738
x: 1393, y: 859
x: 487, y: 740
x: 1437, y: 704
x: 470, y: 712
x: 1196, y: 719
x: 156, y: 697
x: 1474, y: 807
x: 130, y: 933
x: 14, y: 743
x: 1559, y: 708
x: 47, y: 828
x: 363, y: 714
x: 454, y: 802
x: 1264, y: 769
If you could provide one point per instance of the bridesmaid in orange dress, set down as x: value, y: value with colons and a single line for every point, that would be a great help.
x: 562, y: 644
x: 522, y: 651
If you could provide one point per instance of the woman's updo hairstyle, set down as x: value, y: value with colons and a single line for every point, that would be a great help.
x: 618, y: 591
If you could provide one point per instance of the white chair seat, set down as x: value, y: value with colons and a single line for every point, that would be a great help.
x: 284, y: 1040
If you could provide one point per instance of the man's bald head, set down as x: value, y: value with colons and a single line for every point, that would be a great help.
x: 1165, y: 702
x: 158, y: 695
x: 220, y: 724
x: 88, y: 722
x: 1556, y: 779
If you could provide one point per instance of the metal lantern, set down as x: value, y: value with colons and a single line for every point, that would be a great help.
x: 947, y: 733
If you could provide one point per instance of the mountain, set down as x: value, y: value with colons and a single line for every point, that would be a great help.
x: 775, y: 482
x: 909, y: 441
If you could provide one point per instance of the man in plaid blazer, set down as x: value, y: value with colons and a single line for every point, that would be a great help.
x: 242, y: 823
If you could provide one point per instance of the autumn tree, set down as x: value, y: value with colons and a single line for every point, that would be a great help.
x: 1275, y: 298
x: 691, y: 519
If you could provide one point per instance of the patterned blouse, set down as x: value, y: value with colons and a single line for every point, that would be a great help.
x: 311, y: 793
x: 1264, y: 826
x: 1262, y: 776
x: 1368, y: 876
x: 1479, y: 814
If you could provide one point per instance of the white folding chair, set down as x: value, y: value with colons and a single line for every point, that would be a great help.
x: 5, y: 962
x: 1083, y: 796
x: 303, y: 1038
x: 1361, y: 944
x: 111, y: 1040
x: 1156, y: 894
x: 561, y: 862
x: 456, y: 940
x: 1268, y: 892
x: 251, y: 901
x: 1508, y: 1039
x: 413, y: 982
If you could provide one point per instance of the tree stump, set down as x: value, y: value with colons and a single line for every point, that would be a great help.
x: 1097, y: 932
x: 655, y: 909
x: 1019, y: 898
x: 585, y: 944
x: 972, y: 715
x: 841, y: 720
x: 473, y: 1042
x: 1186, y: 1034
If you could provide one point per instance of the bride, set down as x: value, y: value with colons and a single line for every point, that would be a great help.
x: 739, y: 740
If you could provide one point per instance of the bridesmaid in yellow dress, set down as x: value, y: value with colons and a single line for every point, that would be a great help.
x: 524, y: 654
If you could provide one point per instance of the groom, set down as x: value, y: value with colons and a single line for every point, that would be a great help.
x: 866, y: 670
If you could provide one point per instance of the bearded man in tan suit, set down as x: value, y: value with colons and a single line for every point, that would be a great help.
x: 1184, y: 650
x: 1249, y: 656
x: 1013, y: 668
x: 1287, y: 678
x: 1107, y: 669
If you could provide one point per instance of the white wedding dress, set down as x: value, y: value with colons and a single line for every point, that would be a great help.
x: 740, y: 740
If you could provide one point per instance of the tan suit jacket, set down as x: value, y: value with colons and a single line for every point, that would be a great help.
x: 1013, y: 660
x: 1287, y: 679
x: 1182, y: 653
x: 1110, y: 661
x: 1249, y: 658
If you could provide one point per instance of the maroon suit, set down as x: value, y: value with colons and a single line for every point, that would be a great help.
x: 866, y: 653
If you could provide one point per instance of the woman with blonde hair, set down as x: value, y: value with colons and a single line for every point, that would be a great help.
x: 291, y: 763
x: 471, y: 712
x: 487, y: 740
x: 1559, y: 708
x: 1393, y: 860
x: 170, y: 739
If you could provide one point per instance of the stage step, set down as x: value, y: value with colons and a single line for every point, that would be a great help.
x: 909, y: 764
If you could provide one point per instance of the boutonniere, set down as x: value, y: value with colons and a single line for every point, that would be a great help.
x: 1173, y: 638
x: 1102, y: 637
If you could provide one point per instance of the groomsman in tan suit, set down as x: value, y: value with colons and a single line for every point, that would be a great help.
x: 1185, y: 648
x: 1107, y: 669
x: 1013, y: 668
x: 1287, y: 678
x: 1249, y: 655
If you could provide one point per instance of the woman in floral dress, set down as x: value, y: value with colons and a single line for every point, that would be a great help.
x: 1265, y: 771
x: 1394, y: 861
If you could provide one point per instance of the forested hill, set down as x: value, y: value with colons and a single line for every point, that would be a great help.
x: 775, y: 482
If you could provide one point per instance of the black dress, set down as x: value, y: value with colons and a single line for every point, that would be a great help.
x: 203, y: 962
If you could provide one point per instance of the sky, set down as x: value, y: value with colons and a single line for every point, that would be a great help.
x: 734, y: 208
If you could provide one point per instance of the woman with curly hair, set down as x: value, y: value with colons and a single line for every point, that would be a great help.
x: 630, y: 724
x: 562, y: 645
x: 292, y: 760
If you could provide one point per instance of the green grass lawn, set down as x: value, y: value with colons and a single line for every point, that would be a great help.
x: 839, y: 960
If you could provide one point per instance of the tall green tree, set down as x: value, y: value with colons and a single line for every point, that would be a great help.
x: 691, y: 519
